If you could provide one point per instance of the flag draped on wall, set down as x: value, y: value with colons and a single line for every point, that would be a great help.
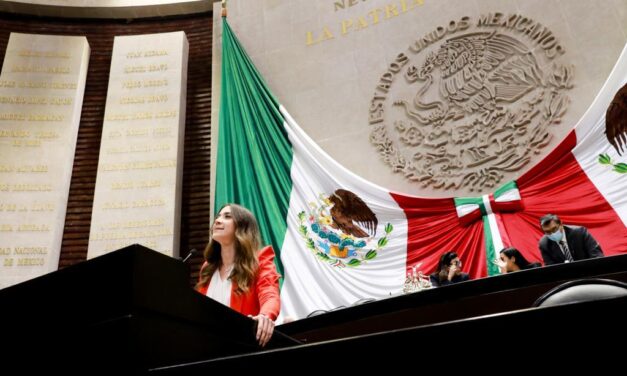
x: 341, y: 239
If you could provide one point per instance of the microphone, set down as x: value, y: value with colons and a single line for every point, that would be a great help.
x: 189, y: 255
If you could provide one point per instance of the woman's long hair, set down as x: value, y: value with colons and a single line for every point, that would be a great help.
x: 521, y: 261
x: 247, y: 242
x: 445, y: 261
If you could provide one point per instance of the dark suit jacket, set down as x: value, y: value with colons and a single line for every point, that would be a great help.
x: 581, y: 244
x: 435, y: 279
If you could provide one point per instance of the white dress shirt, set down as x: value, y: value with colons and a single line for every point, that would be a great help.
x: 219, y: 289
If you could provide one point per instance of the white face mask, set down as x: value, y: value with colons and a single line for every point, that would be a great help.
x: 556, y: 236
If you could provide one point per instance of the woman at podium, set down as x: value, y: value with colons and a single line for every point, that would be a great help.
x: 237, y: 273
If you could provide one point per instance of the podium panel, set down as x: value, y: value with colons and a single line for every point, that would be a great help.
x: 129, y: 310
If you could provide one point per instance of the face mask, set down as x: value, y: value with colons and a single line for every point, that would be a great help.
x: 556, y: 236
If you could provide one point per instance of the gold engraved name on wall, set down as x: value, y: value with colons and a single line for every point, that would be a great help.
x: 470, y: 102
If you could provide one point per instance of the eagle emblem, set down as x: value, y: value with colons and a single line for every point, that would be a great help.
x: 341, y: 229
x: 616, y: 121
x: 469, y: 110
x: 616, y: 130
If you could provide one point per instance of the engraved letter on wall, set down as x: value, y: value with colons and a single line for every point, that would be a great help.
x: 138, y: 188
x: 41, y: 95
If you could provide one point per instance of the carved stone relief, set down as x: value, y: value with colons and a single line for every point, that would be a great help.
x: 470, y: 102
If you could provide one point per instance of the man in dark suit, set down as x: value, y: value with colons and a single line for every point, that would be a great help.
x: 562, y: 243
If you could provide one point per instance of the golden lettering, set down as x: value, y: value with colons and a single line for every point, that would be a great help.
x: 391, y: 11
x: 135, y: 224
x: 133, y: 116
x: 373, y: 17
x: 133, y: 55
x: 165, y: 114
x: 31, y: 187
x: 8, y: 262
x: 33, y: 228
x: 12, y: 117
x: 27, y: 143
x: 6, y: 228
x: 121, y: 185
x: 345, y: 25
x: 55, y: 54
x: 44, y: 117
x: 14, y: 133
x: 361, y: 23
x: 30, y: 250
x: 47, y: 134
x: 135, y: 69
x: 149, y: 184
x: 152, y: 53
x: 137, y: 132
x: 23, y: 100
x: 30, y: 261
x: 5, y: 251
x: 47, y: 85
x: 157, y: 98
x: 61, y: 101
x: 326, y: 35
x: 42, y: 206
x: 148, y: 203
x: 155, y: 83
x: 132, y: 100
x: 117, y: 245
x: 157, y: 67
x: 39, y: 69
x: 7, y: 83
x: 139, y: 165
x: 115, y: 205
x: 162, y: 131
x: 6, y: 207
x: 130, y: 84
x: 118, y: 235
x: 33, y: 168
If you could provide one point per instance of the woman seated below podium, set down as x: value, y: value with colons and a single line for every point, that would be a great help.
x: 511, y: 260
x: 237, y: 273
x: 449, y: 271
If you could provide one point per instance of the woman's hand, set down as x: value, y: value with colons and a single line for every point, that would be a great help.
x: 265, y: 328
x: 452, y: 271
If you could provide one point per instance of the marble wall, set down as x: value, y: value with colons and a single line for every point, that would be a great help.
x: 383, y: 87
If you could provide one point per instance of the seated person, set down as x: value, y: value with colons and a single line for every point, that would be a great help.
x: 562, y: 243
x: 511, y: 260
x: 449, y: 271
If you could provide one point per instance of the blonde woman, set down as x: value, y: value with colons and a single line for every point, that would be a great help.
x: 237, y: 273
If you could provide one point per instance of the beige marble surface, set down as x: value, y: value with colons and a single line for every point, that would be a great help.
x: 41, y: 97
x: 138, y: 187
x: 327, y: 86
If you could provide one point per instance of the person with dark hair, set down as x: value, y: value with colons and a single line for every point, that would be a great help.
x: 237, y: 273
x: 511, y: 260
x: 562, y: 243
x: 449, y: 270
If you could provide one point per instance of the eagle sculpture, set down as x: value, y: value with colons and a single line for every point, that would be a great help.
x: 476, y: 70
x: 616, y: 121
x: 351, y: 215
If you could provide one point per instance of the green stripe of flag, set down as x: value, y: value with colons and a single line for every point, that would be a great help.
x: 254, y: 153
x: 489, y: 248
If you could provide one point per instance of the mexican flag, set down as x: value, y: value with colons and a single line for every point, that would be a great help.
x: 340, y: 239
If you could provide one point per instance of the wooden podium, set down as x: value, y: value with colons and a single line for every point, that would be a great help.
x: 130, y: 310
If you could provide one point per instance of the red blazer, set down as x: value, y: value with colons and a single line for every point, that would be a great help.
x: 263, y: 294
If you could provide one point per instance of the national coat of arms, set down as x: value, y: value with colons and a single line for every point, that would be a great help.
x: 342, y: 230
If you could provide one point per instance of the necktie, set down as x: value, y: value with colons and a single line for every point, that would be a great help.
x: 567, y: 255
